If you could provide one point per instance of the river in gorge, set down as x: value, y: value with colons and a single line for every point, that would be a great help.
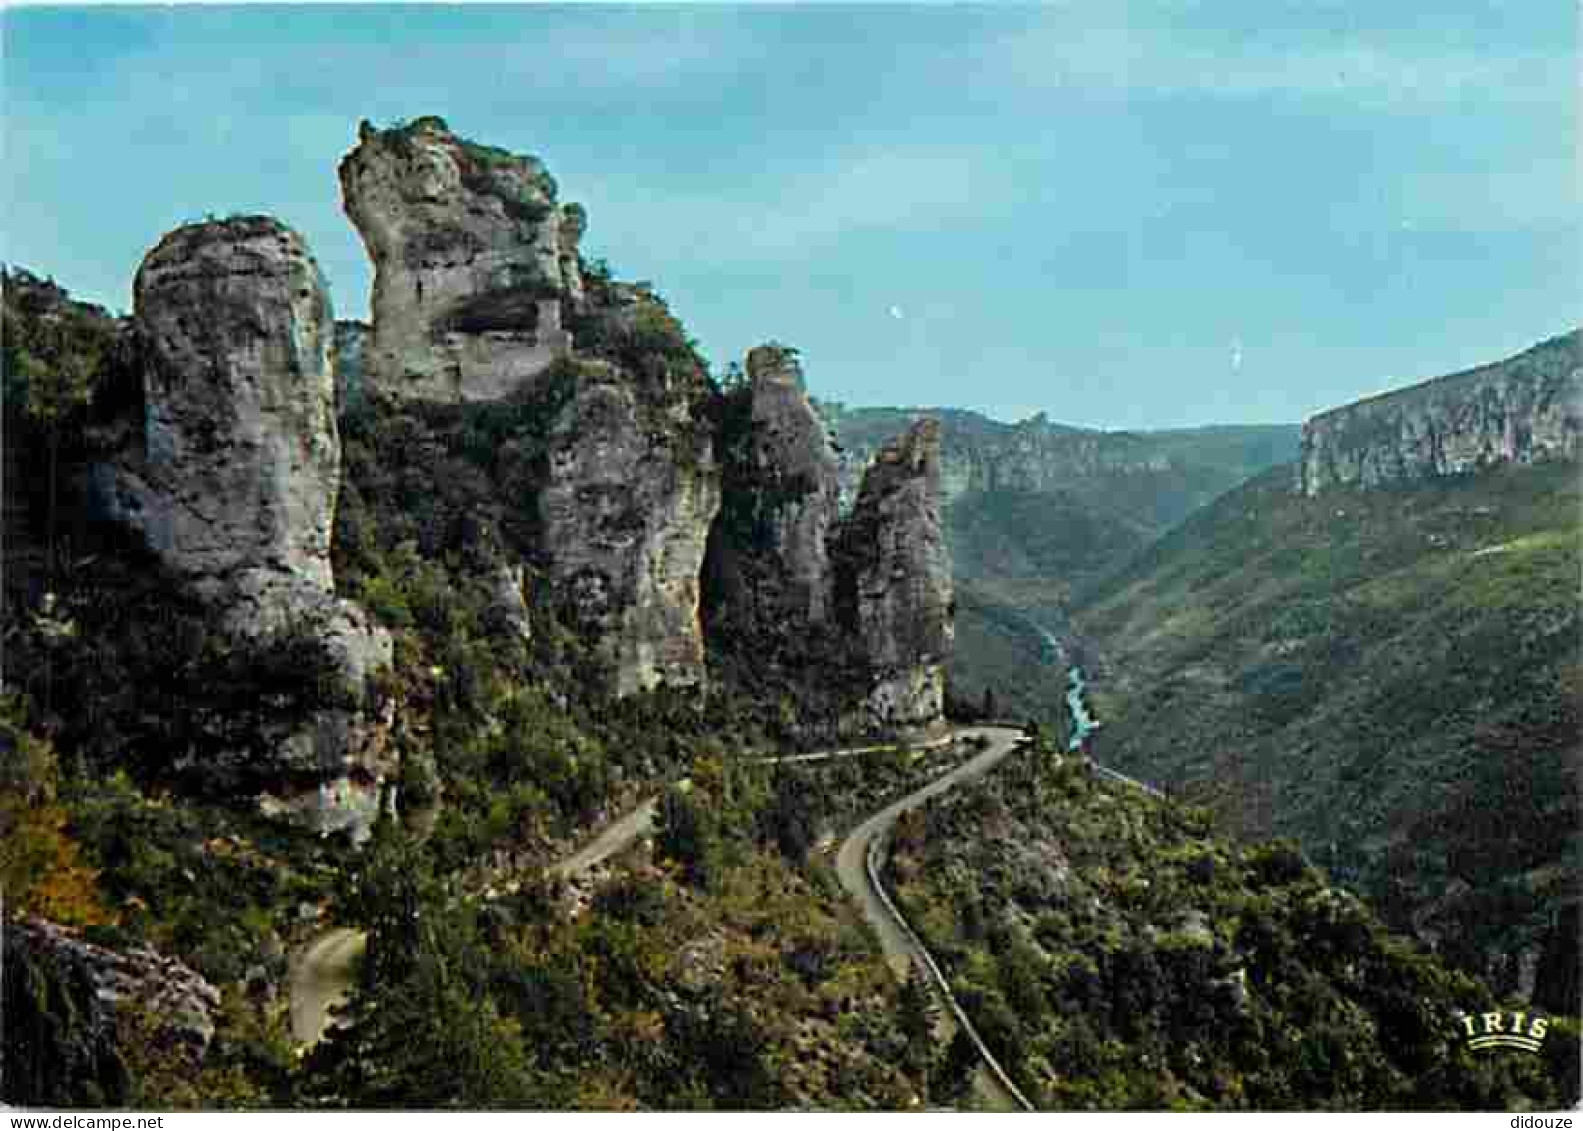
x: 1083, y: 723
x: 1052, y: 651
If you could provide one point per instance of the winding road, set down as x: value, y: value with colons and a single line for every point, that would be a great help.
x: 322, y: 971
x: 901, y: 945
x: 321, y: 975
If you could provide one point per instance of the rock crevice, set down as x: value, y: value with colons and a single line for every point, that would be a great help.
x: 626, y: 509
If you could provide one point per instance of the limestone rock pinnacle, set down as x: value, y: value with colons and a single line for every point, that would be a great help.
x: 893, y: 581
x: 475, y: 262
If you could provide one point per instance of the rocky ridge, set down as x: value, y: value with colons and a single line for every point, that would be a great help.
x: 474, y: 261
x: 771, y: 561
x: 1522, y: 410
x: 231, y: 472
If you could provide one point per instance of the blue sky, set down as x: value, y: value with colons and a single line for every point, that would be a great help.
x: 1123, y: 214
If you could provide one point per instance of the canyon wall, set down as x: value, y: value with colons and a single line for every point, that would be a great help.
x: 1522, y: 410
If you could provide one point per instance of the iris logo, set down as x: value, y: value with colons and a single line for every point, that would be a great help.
x: 1505, y: 1030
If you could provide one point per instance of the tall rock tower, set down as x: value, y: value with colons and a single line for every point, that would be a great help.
x: 475, y: 268
x: 771, y: 562
x: 893, y: 581
x: 233, y: 481
x: 475, y: 262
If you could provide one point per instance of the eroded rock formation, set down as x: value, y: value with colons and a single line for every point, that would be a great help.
x: 771, y: 562
x: 233, y: 481
x: 626, y: 512
x: 849, y: 616
x: 1523, y: 409
x: 980, y: 455
x: 893, y: 581
x: 475, y: 262
x: 797, y: 474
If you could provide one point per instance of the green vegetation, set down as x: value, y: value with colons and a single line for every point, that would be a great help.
x: 718, y: 975
x: 1116, y: 954
x: 1390, y: 676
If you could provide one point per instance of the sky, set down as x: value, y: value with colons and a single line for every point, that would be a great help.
x: 1125, y: 215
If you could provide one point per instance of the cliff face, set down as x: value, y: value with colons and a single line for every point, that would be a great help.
x: 233, y: 479
x: 982, y: 455
x: 474, y: 262
x: 626, y: 512
x: 614, y: 482
x: 1521, y: 410
x: 1045, y: 503
x: 893, y: 581
x: 241, y: 457
x: 64, y: 997
x: 476, y: 268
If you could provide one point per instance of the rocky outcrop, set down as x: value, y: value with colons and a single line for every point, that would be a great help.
x: 797, y: 486
x: 771, y: 562
x: 1522, y: 410
x: 1041, y: 501
x: 507, y: 613
x: 631, y: 493
x: 66, y: 1000
x: 476, y: 266
x: 233, y: 479
x: 475, y: 262
x: 43, y: 326
x: 234, y: 484
x: 241, y: 458
x: 893, y: 582
x: 850, y: 618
